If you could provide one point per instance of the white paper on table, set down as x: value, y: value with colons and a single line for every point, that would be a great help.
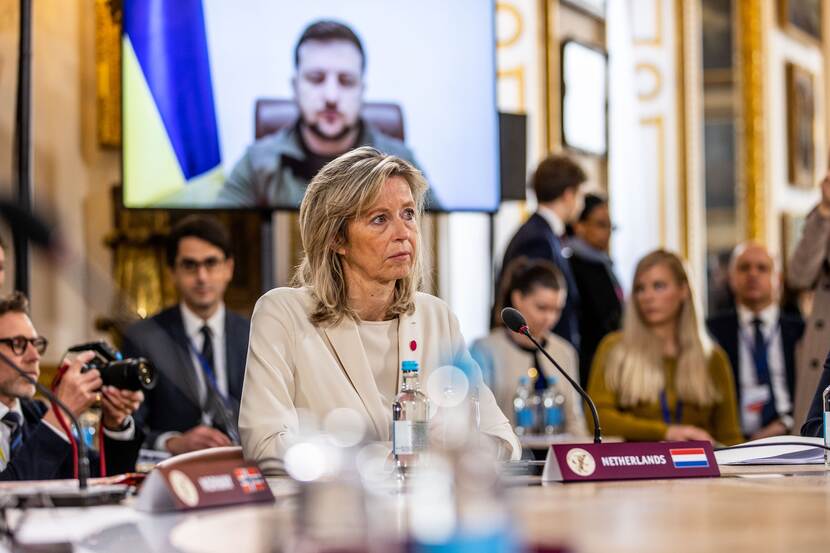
x: 772, y: 452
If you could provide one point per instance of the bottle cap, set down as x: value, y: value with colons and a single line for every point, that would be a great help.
x: 523, y: 379
x: 409, y: 366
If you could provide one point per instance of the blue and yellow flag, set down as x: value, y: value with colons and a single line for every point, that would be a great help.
x: 171, y: 136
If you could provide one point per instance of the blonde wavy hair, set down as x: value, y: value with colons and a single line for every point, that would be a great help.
x: 635, y: 366
x: 341, y: 192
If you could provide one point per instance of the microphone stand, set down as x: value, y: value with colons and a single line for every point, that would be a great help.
x: 83, y: 460
x: 85, y: 497
x: 597, y: 432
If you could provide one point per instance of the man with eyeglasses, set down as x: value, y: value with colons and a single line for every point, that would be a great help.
x: 33, y: 445
x: 198, y: 346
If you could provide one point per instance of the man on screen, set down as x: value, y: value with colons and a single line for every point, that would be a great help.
x: 328, y: 85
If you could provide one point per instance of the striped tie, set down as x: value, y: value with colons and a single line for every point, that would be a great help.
x: 15, y: 423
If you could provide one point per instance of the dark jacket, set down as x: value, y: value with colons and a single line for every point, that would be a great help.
x: 173, y: 405
x: 44, y: 455
x: 724, y: 329
x: 600, y: 309
x: 814, y: 425
x: 536, y: 240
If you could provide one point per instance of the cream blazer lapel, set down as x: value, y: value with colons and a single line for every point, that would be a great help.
x: 344, y: 339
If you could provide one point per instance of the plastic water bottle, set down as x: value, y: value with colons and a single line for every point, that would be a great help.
x: 410, y: 418
x: 523, y: 407
x: 553, y: 406
x: 825, y: 402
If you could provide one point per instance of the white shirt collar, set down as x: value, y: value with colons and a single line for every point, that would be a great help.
x: 553, y: 220
x: 15, y: 408
x: 769, y: 317
x: 193, y: 323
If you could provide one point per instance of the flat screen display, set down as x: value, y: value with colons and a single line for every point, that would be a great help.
x: 238, y: 104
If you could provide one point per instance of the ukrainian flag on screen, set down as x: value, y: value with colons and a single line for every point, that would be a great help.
x: 171, y: 139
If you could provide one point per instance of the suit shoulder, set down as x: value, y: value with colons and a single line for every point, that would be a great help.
x: 560, y: 344
x: 33, y: 409
x: 159, y: 320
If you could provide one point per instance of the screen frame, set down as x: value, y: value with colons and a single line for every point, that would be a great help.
x: 263, y: 211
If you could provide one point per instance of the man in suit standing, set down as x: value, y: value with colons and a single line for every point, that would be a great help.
x: 760, y: 340
x: 556, y: 183
x: 33, y: 445
x: 198, y: 346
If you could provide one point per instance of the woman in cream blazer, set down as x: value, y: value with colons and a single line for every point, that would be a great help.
x: 317, y: 347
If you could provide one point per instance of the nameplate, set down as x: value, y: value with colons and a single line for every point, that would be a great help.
x: 217, y: 477
x: 629, y: 461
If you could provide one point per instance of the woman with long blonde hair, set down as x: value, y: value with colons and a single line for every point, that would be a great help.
x: 661, y: 377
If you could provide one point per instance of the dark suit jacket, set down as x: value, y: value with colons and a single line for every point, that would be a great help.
x: 600, y: 309
x: 535, y: 239
x: 173, y: 405
x: 814, y: 425
x: 44, y: 455
x: 724, y: 329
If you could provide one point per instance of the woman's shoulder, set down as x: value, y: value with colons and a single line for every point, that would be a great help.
x: 609, y: 342
x: 560, y: 344
x: 285, y: 298
x: 424, y: 301
x: 718, y: 360
x: 496, y: 338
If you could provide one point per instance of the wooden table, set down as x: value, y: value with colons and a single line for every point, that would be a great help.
x: 752, y: 509
x: 749, y: 509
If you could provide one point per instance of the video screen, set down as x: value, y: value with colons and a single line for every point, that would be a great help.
x: 239, y: 104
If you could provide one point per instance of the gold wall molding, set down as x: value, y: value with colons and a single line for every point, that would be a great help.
x: 108, y: 71
x: 517, y: 75
x: 658, y: 122
x: 654, y: 91
x: 516, y: 15
x: 656, y: 38
x: 751, y: 144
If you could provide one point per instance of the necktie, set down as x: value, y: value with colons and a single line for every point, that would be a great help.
x: 207, y: 355
x: 761, y: 360
x: 15, y: 423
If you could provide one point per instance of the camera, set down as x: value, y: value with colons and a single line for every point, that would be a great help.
x: 124, y: 374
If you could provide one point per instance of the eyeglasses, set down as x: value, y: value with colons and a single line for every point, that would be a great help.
x: 192, y: 266
x: 18, y: 344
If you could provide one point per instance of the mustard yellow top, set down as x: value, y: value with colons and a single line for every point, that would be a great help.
x: 644, y: 422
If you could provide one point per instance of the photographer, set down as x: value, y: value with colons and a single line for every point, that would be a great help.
x: 33, y: 445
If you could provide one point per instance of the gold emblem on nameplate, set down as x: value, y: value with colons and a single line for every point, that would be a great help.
x: 183, y: 487
x: 581, y: 462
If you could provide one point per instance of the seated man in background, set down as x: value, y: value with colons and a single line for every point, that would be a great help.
x: 600, y: 293
x: 328, y: 87
x: 760, y: 341
x: 33, y: 445
x: 197, y: 347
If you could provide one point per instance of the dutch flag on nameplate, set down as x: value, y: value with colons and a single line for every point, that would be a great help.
x: 687, y: 458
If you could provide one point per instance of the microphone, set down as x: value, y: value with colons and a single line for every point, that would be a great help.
x: 516, y: 322
x: 84, y: 497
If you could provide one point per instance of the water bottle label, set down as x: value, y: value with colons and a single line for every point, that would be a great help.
x: 826, y: 428
x: 553, y: 416
x: 409, y: 437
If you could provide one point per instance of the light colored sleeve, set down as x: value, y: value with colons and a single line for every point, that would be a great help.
x: 267, y: 418
x: 493, y: 421
x: 810, y: 252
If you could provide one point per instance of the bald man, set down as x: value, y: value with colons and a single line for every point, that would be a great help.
x: 760, y: 341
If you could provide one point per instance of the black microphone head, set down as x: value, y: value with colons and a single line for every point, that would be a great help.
x: 514, y: 320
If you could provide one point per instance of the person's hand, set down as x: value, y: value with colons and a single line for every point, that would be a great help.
x: 77, y: 390
x: 775, y: 428
x: 686, y: 432
x: 117, y: 405
x: 198, y: 437
x: 824, y: 205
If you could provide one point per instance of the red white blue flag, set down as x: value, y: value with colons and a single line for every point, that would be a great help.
x: 693, y: 457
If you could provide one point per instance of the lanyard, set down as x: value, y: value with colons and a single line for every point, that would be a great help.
x: 207, y: 370
x: 664, y: 406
